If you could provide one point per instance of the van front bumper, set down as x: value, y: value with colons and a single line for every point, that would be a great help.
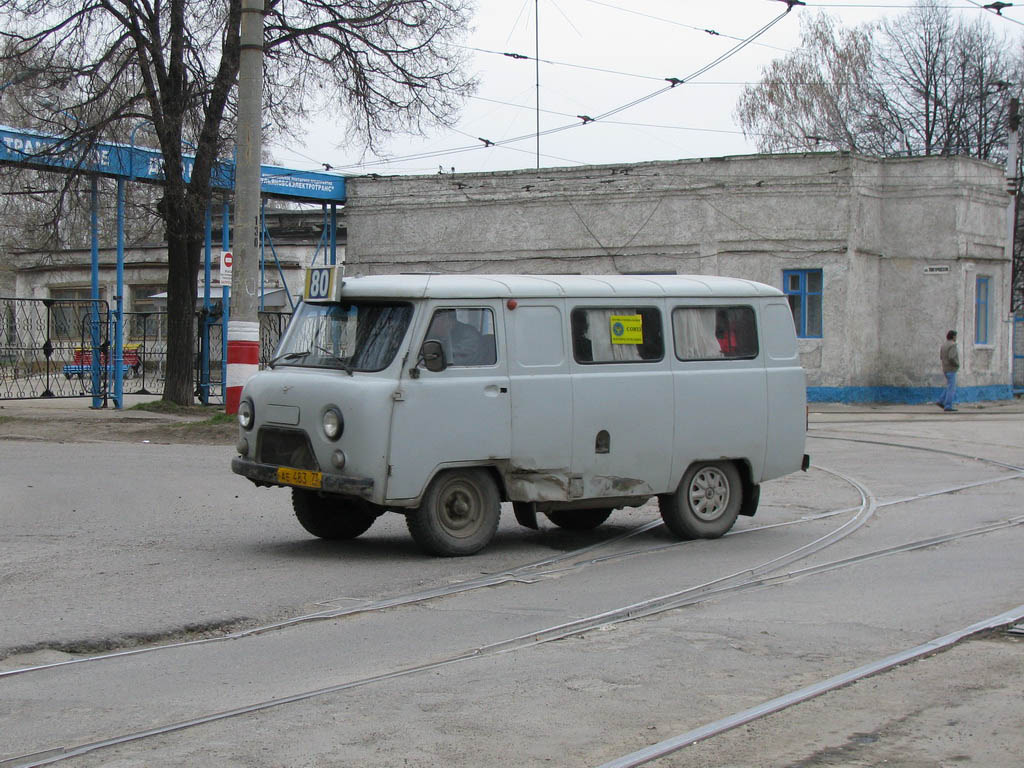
x: 266, y: 474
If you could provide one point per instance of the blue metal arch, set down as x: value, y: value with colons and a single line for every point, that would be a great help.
x: 126, y: 162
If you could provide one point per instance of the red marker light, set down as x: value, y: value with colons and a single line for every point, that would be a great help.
x: 512, y: 304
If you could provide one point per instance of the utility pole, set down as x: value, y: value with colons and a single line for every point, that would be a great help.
x: 244, y: 325
x: 1012, y: 183
x: 536, y: 64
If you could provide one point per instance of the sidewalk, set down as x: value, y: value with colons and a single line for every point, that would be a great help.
x: 81, y: 407
x: 835, y: 411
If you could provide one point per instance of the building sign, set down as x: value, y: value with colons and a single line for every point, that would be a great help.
x: 45, y: 152
x: 937, y: 269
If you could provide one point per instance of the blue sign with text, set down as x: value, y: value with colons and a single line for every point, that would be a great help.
x: 45, y: 152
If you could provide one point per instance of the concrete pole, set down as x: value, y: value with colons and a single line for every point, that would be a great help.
x: 243, y: 325
x: 1011, y: 163
x: 1013, y: 126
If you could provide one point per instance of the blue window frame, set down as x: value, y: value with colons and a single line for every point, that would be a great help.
x: 981, y: 310
x: 803, y: 288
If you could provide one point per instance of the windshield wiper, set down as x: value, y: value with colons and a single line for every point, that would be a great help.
x: 345, y: 366
x: 288, y: 356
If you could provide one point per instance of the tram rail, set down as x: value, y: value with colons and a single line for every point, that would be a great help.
x: 764, y: 574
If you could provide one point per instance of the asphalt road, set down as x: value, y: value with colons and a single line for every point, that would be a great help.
x: 121, y: 544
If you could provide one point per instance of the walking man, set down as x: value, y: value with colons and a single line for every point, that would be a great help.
x: 950, y: 358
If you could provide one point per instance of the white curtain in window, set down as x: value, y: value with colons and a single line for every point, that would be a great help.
x: 694, y: 331
x: 600, y: 335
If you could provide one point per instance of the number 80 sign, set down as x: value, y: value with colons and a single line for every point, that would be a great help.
x: 319, y: 283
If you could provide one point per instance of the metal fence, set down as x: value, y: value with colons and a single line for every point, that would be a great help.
x: 53, y: 347
x: 47, y: 348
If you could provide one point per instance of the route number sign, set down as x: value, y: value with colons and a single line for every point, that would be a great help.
x: 320, y: 283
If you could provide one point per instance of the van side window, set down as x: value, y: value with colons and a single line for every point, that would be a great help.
x: 467, y: 335
x: 714, y: 333
x: 617, y: 335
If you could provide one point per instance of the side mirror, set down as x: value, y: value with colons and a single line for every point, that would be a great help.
x: 432, y: 354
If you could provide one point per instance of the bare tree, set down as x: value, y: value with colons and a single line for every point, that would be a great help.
x: 95, y: 69
x: 816, y: 95
x: 922, y: 83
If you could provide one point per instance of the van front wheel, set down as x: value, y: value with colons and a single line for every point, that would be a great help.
x: 459, y: 514
x: 328, y: 518
x: 706, y: 503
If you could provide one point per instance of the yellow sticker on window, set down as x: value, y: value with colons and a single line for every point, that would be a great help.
x: 627, y: 329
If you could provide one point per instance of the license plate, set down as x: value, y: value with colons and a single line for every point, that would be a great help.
x: 301, y: 477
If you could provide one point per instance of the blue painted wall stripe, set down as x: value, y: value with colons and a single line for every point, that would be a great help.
x: 905, y: 395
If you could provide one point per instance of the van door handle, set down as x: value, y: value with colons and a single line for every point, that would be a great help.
x: 493, y: 390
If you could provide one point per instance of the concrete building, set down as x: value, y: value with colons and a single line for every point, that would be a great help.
x: 879, y: 257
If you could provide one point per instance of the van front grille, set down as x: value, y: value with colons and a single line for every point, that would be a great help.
x: 285, y: 448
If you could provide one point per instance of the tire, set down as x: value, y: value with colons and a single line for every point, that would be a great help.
x: 328, y: 518
x: 706, y: 503
x: 459, y: 514
x: 579, y: 519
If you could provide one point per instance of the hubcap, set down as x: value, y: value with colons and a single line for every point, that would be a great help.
x: 460, y: 511
x: 709, y: 494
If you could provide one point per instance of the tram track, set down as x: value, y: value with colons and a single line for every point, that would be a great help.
x: 743, y: 717
x: 548, y: 567
x: 763, y: 575
x: 544, y: 568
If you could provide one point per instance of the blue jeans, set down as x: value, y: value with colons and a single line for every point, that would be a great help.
x: 948, y: 399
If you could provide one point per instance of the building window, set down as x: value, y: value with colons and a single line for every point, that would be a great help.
x: 147, y: 319
x: 803, y: 288
x: 982, y: 310
x: 145, y: 298
x: 71, y: 313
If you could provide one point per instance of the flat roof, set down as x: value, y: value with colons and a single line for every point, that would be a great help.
x: 544, y: 286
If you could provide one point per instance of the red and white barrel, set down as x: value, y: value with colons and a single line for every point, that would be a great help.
x: 243, y: 360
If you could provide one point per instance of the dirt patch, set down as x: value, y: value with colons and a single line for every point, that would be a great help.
x: 68, y: 426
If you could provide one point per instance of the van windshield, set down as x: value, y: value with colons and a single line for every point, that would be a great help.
x: 354, y: 336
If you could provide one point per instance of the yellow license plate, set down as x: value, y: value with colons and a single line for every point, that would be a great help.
x: 301, y: 477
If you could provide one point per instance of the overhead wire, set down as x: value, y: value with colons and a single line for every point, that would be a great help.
x: 711, y: 32
x: 582, y: 119
x: 997, y: 9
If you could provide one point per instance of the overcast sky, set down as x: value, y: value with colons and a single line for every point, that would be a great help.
x: 598, y: 56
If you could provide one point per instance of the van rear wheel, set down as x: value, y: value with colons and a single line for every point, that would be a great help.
x: 706, y: 503
x: 459, y: 513
x: 329, y: 518
x: 579, y: 519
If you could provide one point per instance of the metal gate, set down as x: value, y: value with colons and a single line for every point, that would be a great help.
x: 48, y: 348
x: 63, y: 348
x: 54, y: 348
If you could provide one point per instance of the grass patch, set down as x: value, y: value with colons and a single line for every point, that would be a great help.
x: 213, y: 413
x: 222, y: 418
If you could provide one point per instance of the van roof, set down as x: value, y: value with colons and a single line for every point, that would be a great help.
x: 542, y: 286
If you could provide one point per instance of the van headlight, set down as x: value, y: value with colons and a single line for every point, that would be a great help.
x: 246, y: 414
x: 333, y: 424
